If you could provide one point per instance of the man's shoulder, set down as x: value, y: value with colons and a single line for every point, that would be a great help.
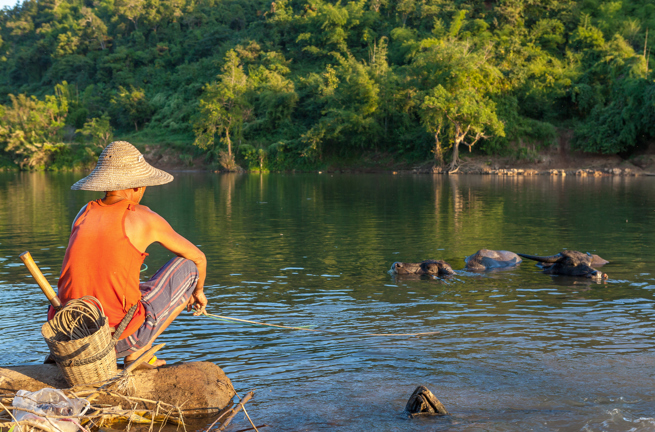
x: 142, y: 208
x: 145, y: 214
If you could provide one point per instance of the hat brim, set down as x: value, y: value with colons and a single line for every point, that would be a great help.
x: 104, y: 179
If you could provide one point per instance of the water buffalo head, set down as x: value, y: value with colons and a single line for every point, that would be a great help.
x: 571, y: 263
x: 430, y: 267
x: 405, y: 268
x: 486, y: 259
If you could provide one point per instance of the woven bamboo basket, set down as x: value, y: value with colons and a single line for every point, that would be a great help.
x: 81, y: 342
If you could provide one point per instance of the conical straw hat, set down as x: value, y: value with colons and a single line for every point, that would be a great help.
x: 121, y: 166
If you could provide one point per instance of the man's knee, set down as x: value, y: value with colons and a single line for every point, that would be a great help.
x: 183, y: 266
x: 189, y: 270
x: 189, y: 266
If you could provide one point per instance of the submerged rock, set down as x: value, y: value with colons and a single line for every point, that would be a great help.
x: 423, y: 402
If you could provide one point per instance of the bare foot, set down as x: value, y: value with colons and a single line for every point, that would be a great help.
x: 158, y: 363
x: 146, y: 365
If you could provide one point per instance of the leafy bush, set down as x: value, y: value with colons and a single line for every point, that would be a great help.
x: 98, y: 132
x: 624, y: 123
x: 31, y: 129
x: 255, y: 158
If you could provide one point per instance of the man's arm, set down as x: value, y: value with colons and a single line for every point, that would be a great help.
x: 79, y: 213
x: 148, y: 227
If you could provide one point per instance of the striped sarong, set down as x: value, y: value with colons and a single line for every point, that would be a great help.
x: 169, y: 288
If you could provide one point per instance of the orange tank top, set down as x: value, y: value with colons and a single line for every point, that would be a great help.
x: 102, y: 262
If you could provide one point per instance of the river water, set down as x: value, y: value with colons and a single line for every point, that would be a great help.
x: 518, y: 350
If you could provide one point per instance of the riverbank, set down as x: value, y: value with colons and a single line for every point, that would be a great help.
x: 548, y: 162
x: 559, y: 161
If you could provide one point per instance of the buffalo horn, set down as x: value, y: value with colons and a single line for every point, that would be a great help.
x: 544, y: 259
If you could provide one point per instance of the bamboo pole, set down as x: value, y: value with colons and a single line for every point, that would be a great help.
x: 27, y: 259
x: 235, y: 411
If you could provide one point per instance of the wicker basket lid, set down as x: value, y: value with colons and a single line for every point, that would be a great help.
x: 121, y: 166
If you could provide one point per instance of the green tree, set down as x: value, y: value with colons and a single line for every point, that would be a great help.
x: 98, y: 131
x: 133, y: 10
x: 470, y: 117
x: 223, y: 109
x: 457, y: 80
x: 349, y: 100
x: 132, y: 105
x: 434, y: 120
x: 95, y: 27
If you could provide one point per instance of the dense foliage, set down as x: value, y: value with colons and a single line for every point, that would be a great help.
x: 290, y: 83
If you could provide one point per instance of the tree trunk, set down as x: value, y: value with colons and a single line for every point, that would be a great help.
x: 438, y: 152
x: 229, y: 143
x: 459, y: 137
x: 455, y: 162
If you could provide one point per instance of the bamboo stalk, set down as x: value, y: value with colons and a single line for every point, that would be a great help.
x: 152, y: 412
x: 250, y: 420
x: 249, y: 429
x: 43, y: 283
x: 30, y: 423
x: 9, y: 412
x: 236, y: 410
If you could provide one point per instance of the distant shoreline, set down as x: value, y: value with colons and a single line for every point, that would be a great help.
x: 552, y: 162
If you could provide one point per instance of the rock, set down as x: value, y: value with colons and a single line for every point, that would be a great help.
x: 598, y: 173
x: 202, y: 387
x: 437, y: 169
x: 627, y: 172
x: 616, y: 171
x: 423, y: 402
x: 581, y: 173
x: 531, y: 172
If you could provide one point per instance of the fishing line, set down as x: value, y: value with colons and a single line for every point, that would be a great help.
x: 233, y: 320
x: 230, y: 319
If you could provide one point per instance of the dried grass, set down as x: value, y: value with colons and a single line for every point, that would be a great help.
x: 99, y: 415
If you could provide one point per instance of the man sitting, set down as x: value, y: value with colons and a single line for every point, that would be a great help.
x: 108, y: 244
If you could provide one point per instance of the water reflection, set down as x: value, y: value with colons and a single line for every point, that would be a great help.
x: 518, y: 349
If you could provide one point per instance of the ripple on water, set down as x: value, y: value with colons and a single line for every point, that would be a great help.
x: 517, y: 350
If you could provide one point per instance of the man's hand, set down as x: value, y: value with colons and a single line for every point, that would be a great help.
x: 198, y: 301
